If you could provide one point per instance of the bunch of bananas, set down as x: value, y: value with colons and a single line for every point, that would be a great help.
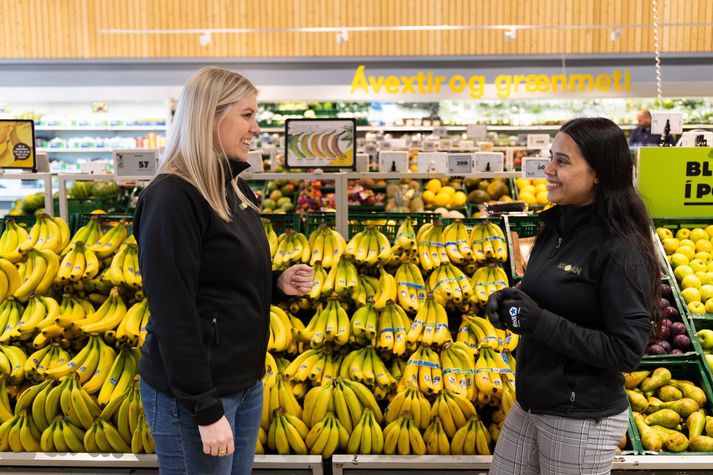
x: 47, y: 233
x: 271, y: 235
x: 292, y: 248
x: 281, y: 325
x: 450, y: 284
x: 287, y: 434
x: 367, y: 287
x: 369, y: 247
x: 119, y: 377
x: 477, y: 332
x: 471, y: 439
x: 405, y: 241
x: 403, y: 437
x: 107, y: 317
x: 90, y: 233
x: 279, y: 396
x: 36, y: 273
x: 392, y: 325
x: 108, y: 243
x: 488, y: 243
x: 349, y: 399
x: 459, y: 370
x: 9, y: 279
x: 409, y: 401
x: 48, y: 357
x: 422, y: 372
x: 411, y: 289
x: 436, y: 439
x: 341, y: 280
x: 494, y: 378
x: 12, y: 363
x: 10, y: 240
x: 327, y: 246
x: 18, y: 435
x: 486, y: 281
x: 80, y: 263
x: 328, y: 325
x: 367, y: 436
x: 132, y: 328
x: 40, y: 312
x: 386, y: 290
x: 363, y: 324
x: 457, y: 243
x: 430, y: 325
x: 124, y: 267
x: 453, y: 411
x: 365, y: 366
x: 326, y: 436
x: 431, y: 246
x: 320, y: 366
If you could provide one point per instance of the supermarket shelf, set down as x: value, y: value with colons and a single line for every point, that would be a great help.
x: 100, y: 129
x: 350, y: 463
x: 74, y: 150
x: 462, y: 128
x: 420, y: 176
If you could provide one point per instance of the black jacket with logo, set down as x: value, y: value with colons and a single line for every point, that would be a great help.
x: 209, y: 285
x: 595, y: 322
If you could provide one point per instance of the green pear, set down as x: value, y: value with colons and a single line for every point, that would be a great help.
x: 632, y: 380
x: 660, y: 377
x: 685, y: 407
x: 669, y: 393
x: 665, y: 417
x: 638, y: 401
x: 709, y: 360
x: 672, y: 440
x: 691, y: 391
x: 705, y: 336
x: 701, y: 443
x: 696, y: 422
x: 654, y: 405
x: 650, y: 439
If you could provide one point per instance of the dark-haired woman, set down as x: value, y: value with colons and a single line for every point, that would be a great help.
x: 585, y: 309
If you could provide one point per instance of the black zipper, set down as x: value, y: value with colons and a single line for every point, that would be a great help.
x: 572, y: 398
x: 216, y: 333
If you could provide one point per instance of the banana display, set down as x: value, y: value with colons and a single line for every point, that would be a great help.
x: 390, y: 353
x: 72, y: 319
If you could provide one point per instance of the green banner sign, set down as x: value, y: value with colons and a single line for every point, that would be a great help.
x: 677, y: 181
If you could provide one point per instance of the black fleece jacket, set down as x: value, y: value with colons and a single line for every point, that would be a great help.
x: 209, y: 285
x: 595, y: 324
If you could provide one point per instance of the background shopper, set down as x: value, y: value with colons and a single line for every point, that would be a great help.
x: 208, y: 276
x: 585, y: 309
x: 642, y: 136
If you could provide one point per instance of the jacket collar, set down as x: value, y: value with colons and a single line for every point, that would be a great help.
x: 567, y: 219
x: 235, y: 168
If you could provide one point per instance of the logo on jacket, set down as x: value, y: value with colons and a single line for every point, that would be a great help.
x: 569, y: 268
x: 514, y: 312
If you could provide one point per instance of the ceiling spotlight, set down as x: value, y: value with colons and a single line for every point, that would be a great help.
x: 205, y: 39
x: 615, y: 35
x: 342, y: 37
x: 510, y: 34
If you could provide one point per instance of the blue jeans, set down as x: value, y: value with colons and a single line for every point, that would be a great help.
x: 178, y: 442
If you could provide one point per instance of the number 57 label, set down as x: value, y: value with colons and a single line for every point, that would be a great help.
x: 135, y: 164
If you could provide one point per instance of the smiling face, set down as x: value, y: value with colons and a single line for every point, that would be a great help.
x: 235, y: 129
x: 570, y: 179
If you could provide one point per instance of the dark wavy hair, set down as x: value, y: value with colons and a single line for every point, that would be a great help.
x: 604, y: 146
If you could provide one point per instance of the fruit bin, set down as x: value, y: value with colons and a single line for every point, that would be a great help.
x: 697, y: 325
x: 675, y: 224
x: 692, y: 369
x: 388, y: 223
x: 669, y: 337
x: 524, y: 226
x: 281, y: 222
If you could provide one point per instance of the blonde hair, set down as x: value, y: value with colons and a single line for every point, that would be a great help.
x: 190, y: 150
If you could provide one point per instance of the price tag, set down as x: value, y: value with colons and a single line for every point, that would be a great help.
x: 445, y: 144
x: 433, y: 162
x: 460, y: 163
x: 440, y: 131
x: 93, y: 167
x: 534, y: 167
x: 393, y: 162
x: 659, y: 119
x: 477, y: 131
x: 538, y: 141
x: 136, y: 163
x: 255, y: 161
x: 489, y: 162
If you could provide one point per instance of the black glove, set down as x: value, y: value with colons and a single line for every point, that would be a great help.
x: 492, y: 309
x: 517, y: 310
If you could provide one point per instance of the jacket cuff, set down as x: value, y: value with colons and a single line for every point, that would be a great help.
x: 545, y: 326
x: 209, y: 415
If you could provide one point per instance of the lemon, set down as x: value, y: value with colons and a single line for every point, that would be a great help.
x: 528, y: 197
x: 428, y: 196
x: 442, y: 199
x: 459, y: 198
x: 542, y: 197
x: 433, y: 185
x: 529, y: 189
x: 522, y: 182
x: 447, y: 190
x: 704, y: 245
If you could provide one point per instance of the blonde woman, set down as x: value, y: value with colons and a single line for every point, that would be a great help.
x: 207, y: 274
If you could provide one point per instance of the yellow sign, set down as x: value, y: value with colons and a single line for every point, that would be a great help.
x: 17, y: 144
x: 677, y: 181
x: 427, y: 82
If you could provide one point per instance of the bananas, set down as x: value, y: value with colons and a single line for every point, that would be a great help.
x: 325, y: 437
x: 367, y: 436
x: 431, y: 246
x: 411, y: 289
x: 292, y: 248
x: 10, y: 240
x: 487, y: 280
x: 109, y: 242
x: 403, y: 437
x: 90, y: 233
x: 472, y: 439
x: 392, y: 325
x: 327, y: 247
x: 365, y: 366
x: 271, y: 235
x: 487, y: 242
x: 328, y: 325
x: 430, y: 326
x: 459, y: 370
x: 287, y: 434
x: 409, y: 401
x: 423, y: 372
x: 369, y: 247
x: 124, y: 269
x: 48, y: 233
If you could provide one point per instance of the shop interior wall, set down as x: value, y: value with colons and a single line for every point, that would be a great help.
x: 76, y: 28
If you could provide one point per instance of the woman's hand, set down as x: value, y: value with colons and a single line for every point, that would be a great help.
x: 296, y: 280
x: 217, y: 438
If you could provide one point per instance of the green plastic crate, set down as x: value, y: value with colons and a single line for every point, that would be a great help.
x: 524, y: 226
x: 25, y: 220
x: 283, y: 222
x: 675, y: 224
x: 691, y: 369
x: 387, y: 223
x: 106, y: 220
